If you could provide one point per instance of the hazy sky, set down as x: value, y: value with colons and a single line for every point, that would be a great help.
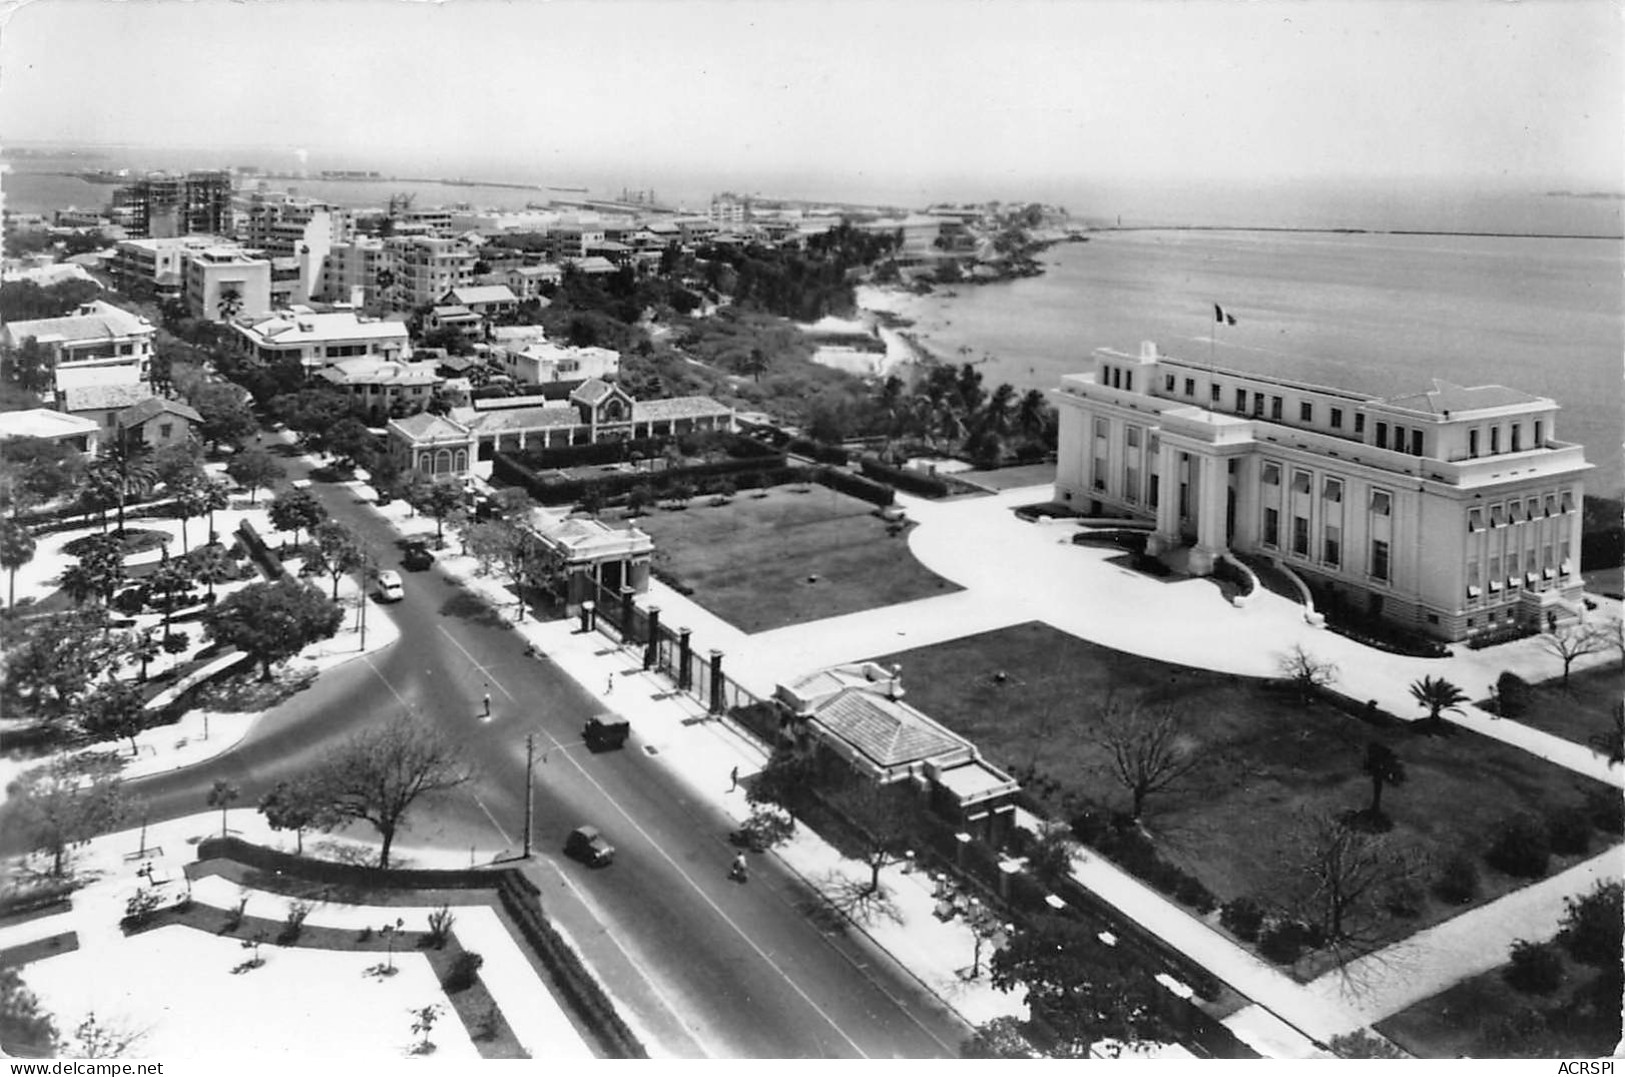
x: 1529, y: 93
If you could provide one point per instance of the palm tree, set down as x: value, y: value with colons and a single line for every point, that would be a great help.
x: 165, y: 587
x: 1384, y: 768
x: 122, y: 472
x: 216, y: 496
x: 210, y: 564
x: 16, y: 550
x: 1032, y: 414
x: 1437, y: 695
x: 99, y: 572
x: 230, y: 304
x: 191, y: 501
x: 144, y: 648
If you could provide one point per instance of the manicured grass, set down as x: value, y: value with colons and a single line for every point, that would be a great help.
x: 1583, y: 710
x: 1008, y: 478
x: 1462, y: 1022
x: 787, y: 558
x: 1268, y: 758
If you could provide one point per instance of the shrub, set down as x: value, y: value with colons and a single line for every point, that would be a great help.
x: 234, y: 915
x: 1284, y: 941
x: 1404, y: 898
x: 140, y: 907
x: 1593, y: 926
x: 1457, y: 883
x: 1568, y: 830
x: 1536, y: 968
x: 1192, y: 892
x: 440, y: 921
x: 177, y: 642
x: 1606, y: 810
x: 1512, y: 695
x: 1242, y: 918
x: 465, y: 968
x: 1520, y: 848
x: 293, y: 925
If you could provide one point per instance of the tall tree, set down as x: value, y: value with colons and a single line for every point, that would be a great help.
x: 296, y: 510
x: 1306, y: 673
x: 886, y: 820
x: 227, y: 418
x: 255, y: 469
x: 123, y: 471
x: 1149, y: 750
x: 334, y: 551
x: 117, y: 709
x: 299, y: 806
x: 16, y: 550
x: 210, y: 565
x: 1334, y: 874
x: 440, y: 499
x: 272, y: 622
x: 221, y: 795
x: 168, y: 588
x: 99, y: 572
x: 26, y: 1029
x: 379, y: 773
x: 1436, y: 696
x: 50, y: 663
x: 1384, y: 768
x: 65, y: 803
x: 192, y: 499
x: 1083, y: 990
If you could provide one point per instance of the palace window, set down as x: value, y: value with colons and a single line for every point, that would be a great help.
x: 1128, y: 381
x: 1568, y: 500
x: 1300, y: 536
x: 1475, y: 520
x: 1382, y: 435
x: 1332, y: 552
x: 1213, y: 393
x: 1190, y: 386
x: 1133, y: 437
x: 1167, y: 383
x: 1272, y: 474
x: 1416, y: 443
x: 1258, y: 404
x: 1517, y: 437
x: 1359, y: 422
x: 1379, y: 559
x: 1301, y: 483
x: 1099, y: 478
x: 1306, y: 412
x: 1540, y: 442
x: 1101, y: 428
x: 1131, y: 484
x: 1474, y: 588
x: 1332, y: 491
x: 1382, y: 503
x: 1472, y: 443
x: 1495, y: 573
x: 1272, y: 527
x: 1495, y: 440
x: 1498, y: 516
x: 1515, y: 512
x: 1337, y: 418
x: 1275, y: 408
x: 1241, y: 400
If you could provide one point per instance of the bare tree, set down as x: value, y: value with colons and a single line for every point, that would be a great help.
x: 1337, y: 874
x: 1306, y: 672
x: 378, y: 774
x: 1148, y: 749
x: 884, y: 819
x: 1570, y: 642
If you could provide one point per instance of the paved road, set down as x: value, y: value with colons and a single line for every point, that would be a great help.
x: 707, y: 966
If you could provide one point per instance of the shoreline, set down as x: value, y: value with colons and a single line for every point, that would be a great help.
x: 1345, y: 231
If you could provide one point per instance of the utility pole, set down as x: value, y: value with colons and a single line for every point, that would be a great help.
x: 365, y: 561
x: 530, y: 761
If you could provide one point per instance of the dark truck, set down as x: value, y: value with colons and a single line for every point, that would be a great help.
x: 606, y: 731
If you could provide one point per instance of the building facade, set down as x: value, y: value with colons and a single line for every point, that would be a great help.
x: 1451, y: 511
x: 319, y: 339
x: 97, y: 344
x: 421, y: 269
x: 175, y: 204
x: 219, y: 284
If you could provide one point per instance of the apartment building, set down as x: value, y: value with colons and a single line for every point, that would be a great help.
x: 421, y: 269
x: 143, y: 267
x: 319, y: 339
x: 222, y: 283
x: 350, y: 273
x: 164, y: 204
x: 382, y: 388
x: 1454, y: 510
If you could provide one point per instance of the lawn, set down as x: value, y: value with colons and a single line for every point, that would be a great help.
x: 787, y: 558
x: 1008, y: 478
x: 1027, y: 696
x: 1484, y: 1017
x: 1583, y: 710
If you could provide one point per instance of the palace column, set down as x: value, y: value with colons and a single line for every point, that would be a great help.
x: 1210, y: 514
x: 1166, y: 537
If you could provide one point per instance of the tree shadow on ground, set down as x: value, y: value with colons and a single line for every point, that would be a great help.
x: 469, y: 607
x: 244, y: 693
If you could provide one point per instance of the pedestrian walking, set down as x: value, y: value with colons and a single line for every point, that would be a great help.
x: 733, y: 776
x: 609, y: 687
x: 488, y: 701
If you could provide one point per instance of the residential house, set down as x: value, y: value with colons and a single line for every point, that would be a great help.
x: 490, y: 302
x: 383, y: 387
x: 317, y: 339
x: 97, y: 344
x: 528, y: 282
x: 103, y: 404
x: 77, y: 432
x: 156, y: 422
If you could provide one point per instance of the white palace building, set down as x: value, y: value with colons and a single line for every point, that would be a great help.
x: 1452, y: 511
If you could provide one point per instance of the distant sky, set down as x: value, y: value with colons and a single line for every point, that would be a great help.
x: 1526, y: 94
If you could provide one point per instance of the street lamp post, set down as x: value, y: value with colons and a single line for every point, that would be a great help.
x: 530, y: 761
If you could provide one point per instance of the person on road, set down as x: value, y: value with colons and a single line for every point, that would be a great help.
x: 737, y: 871
x: 487, y: 701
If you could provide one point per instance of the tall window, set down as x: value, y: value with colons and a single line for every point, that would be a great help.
x: 1167, y: 383
x: 1131, y: 484
x: 1333, y: 490
x: 1258, y: 404
x: 1539, y: 440
x: 1301, y: 482
x: 1241, y: 400
x: 1382, y: 435
x: 1272, y: 474
x: 1128, y: 381
x: 1272, y: 527
x: 1359, y: 422
x: 1300, y: 536
x: 1333, y: 552
x: 1475, y: 520
x: 1472, y: 443
x: 1132, y: 437
x: 1474, y: 587
x: 1416, y: 442
x: 1337, y: 418
x: 1099, y: 477
x: 1213, y: 392
x: 1190, y: 386
x: 1382, y: 503
x: 1517, y: 437
x: 1495, y: 440
x: 1306, y: 412
x: 1379, y: 559
x: 1275, y: 408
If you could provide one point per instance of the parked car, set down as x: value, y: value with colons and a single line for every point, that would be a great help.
x: 605, y: 731
x: 588, y: 846
x: 417, y: 557
x: 389, y: 586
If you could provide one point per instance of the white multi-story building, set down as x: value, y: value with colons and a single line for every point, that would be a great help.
x: 1453, y: 511
x: 318, y: 340
x: 98, y: 344
x: 422, y: 269
x: 154, y: 265
x: 350, y: 273
x: 222, y: 283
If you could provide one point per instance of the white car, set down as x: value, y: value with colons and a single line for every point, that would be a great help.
x: 389, y: 586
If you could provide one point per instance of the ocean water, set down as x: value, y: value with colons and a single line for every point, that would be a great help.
x: 1381, y: 314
